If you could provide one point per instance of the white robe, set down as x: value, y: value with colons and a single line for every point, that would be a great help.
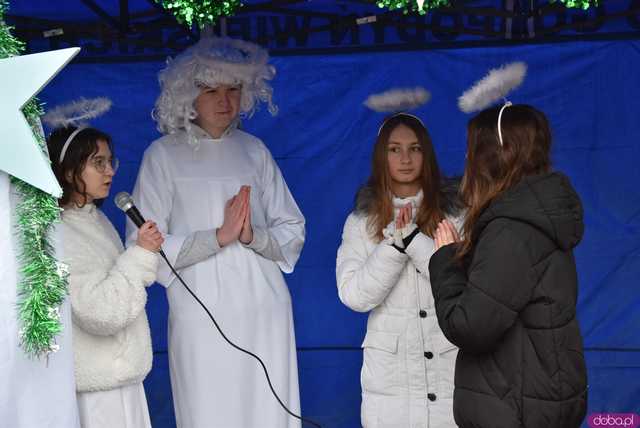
x: 184, y: 190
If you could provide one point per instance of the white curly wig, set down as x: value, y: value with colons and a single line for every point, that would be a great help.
x: 211, y: 62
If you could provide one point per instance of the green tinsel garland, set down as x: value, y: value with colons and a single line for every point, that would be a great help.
x: 412, y: 5
x: 203, y: 12
x: 43, y: 285
x: 409, y: 6
x: 582, y: 4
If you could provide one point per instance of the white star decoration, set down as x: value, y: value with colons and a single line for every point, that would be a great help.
x: 22, y: 78
x: 420, y: 3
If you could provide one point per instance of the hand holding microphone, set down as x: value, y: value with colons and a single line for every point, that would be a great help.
x: 149, y: 237
x: 236, y: 226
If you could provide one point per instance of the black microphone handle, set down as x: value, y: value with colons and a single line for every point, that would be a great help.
x: 138, y: 220
x: 135, y: 216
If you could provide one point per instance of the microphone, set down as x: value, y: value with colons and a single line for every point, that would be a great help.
x: 124, y: 201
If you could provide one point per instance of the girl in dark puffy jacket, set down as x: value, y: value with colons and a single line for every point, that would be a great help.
x: 506, y: 293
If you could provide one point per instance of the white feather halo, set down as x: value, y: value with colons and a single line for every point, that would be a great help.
x: 77, y: 112
x: 494, y: 86
x: 395, y: 100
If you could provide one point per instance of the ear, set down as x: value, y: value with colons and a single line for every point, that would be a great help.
x: 68, y: 176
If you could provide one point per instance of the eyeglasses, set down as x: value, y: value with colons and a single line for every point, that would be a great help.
x: 101, y: 164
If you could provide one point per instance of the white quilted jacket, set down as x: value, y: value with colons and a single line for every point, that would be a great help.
x: 408, y: 368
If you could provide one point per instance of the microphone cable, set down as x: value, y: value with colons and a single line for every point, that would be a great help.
x: 215, y: 323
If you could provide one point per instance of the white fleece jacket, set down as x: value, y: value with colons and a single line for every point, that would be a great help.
x: 111, y: 339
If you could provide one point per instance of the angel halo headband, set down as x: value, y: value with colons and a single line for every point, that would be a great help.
x: 502, y: 109
x: 76, y: 113
x: 68, y: 141
x: 402, y: 113
x: 494, y: 86
x: 398, y: 101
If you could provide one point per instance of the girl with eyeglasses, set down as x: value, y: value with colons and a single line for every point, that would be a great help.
x: 111, y: 339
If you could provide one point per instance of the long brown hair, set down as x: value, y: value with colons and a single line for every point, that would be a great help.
x: 492, y: 169
x: 83, y: 146
x: 380, y: 211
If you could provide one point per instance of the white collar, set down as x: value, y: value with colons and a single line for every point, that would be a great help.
x: 414, y: 200
x: 86, y: 209
x: 200, y: 135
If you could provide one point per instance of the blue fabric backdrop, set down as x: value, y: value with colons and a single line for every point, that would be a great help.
x: 322, y: 141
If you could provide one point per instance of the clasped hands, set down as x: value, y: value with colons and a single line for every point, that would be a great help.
x: 237, y: 219
x: 445, y: 234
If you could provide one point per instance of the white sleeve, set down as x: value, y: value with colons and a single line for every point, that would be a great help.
x: 283, y: 237
x: 153, y: 195
x: 422, y: 247
x: 364, y: 281
x: 104, y: 301
x: 420, y: 251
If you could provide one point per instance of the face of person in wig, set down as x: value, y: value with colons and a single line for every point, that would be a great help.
x: 217, y: 108
x: 97, y: 175
x: 404, y: 155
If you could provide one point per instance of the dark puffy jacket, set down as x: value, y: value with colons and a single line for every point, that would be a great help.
x: 511, y: 309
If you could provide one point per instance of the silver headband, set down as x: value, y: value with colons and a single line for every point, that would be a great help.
x: 506, y: 104
x: 400, y: 114
x: 65, y: 146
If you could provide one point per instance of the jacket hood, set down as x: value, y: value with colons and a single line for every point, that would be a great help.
x: 548, y: 202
